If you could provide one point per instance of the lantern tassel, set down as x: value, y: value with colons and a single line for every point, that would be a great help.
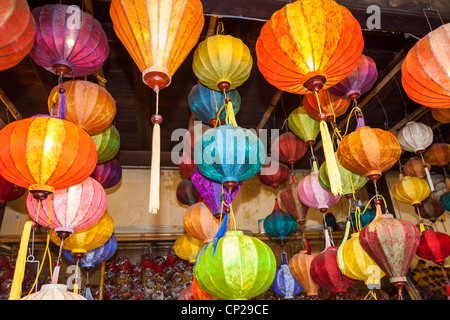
x: 427, y: 173
x: 156, y: 159
x: 89, y: 294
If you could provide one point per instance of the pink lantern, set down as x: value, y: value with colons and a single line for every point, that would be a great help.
x: 73, y: 208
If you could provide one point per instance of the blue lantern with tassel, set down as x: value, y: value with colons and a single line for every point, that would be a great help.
x: 285, y: 284
x: 207, y: 104
x: 279, y: 224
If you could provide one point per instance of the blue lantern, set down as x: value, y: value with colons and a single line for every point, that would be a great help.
x: 229, y: 154
x: 279, y: 224
x: 205, y: 103
x: 444, y: 201
x: 285, y: 284
x: 365, y: 218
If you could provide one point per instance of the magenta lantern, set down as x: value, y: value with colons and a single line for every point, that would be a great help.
x: 73, y: 208
x: 9, y: 191
x: 108, y: 173
x: 69, y: 41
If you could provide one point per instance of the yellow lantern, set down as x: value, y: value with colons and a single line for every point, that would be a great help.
x: 411, y: 190
x: 187, y: 247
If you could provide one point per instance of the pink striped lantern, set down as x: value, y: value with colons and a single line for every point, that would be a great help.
x: 108, y: 173
x: 69, y: 42
x: 360, y: 80
x: 73, y: 208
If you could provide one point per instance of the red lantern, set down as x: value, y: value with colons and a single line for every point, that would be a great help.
x: 9, y: 191
x: 274, y: 174
x: 431, y: 208
x: 187, y: 193
x: 288, y: 148
x: 186, y: 165
x: 294, y: 206
x: 332, y: 106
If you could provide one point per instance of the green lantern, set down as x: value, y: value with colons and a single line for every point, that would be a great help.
x: 348, y: 179
x: 303, y: 125
x: 235, y: 267
x: 107, y: 143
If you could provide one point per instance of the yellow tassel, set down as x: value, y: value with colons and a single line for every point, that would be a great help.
x: 231, y: 119
x: 155, y: 171
x: 330, y: 159
x: 19, y: 271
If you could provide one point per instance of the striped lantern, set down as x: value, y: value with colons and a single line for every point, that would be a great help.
x: 288, y: 148
x: 54, y: 292
x: 273, y: 174
x: 438, y: 154
x: 299, y: 265
x: 108, y: 173
x: 198, y: 293
x: 279, y: 224
x: 303, y: 125
x: 415, y: 168
x: 285, y: 284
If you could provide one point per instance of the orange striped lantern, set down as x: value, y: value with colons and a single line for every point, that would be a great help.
x: 300, y: 265
x: 333, y: 106
x: 44, y: 154
x: 88, y: 105
x: 426, y: 69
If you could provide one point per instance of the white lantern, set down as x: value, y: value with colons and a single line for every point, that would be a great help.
x: 54, y: 292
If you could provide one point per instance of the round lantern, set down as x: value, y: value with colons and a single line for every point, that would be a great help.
x: 222, y: 62
x: 392, y: 244
x: 69, y: 42
x: 299, y: 265
x: 441, y: 115
x: 236, y: 267
x: 279, y: 224
x: 89, y: 105
x: 415, y: 137
x: 431, y: 208
x: 332, y: 106
x: 444, y: 201
x: 415, y: 168
x: 359, y: 81
x: 187, y: 247
x: 200, y: 223
x: 18, y: 32
x: 288, y: 148
x: 273, y: 174
x: 425, y: 70
x: 294, y: 206
x: 187, y: 193
x: 411, y: 190
x: 213, y: 192
x: 54, y: 292
x: 107, y: 143
x: 351, y: 181
x: 438, y: 154
x: 9, y: 191
x: 108, y: 173
x: 369, y: 151
x: 44, y: 154
x: 198, y: 293
x: 70, y: 209
x: 186, y: 165
x: 207, y: 104
x: 434, y: 246
x: 285, y: 284
x: 304, y: 126
x: 300, y: 49
x: 229, y: 154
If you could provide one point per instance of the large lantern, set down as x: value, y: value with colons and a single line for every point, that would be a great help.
x: 187, y: 193
x: 108, y: 173
x: 288, y: 148
x: 425, y: 70
x: 300, y: 266
x: 18, y: 32
x: 359, y: 81
x: 9, y: 191
x: 325, y: 102
x: 304, y: 126
x: 107, y: 143
x: 222, y: 62
x: 187, y: 247
x: 411, y: 190
x: 89, y: 105
x: 69, y: 42
x: 236, y: 267
x: 44, y: 154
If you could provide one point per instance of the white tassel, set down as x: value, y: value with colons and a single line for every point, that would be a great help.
x: 427, y: 172
x: 153, y: 206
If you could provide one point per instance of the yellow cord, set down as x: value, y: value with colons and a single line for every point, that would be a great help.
x: 372, y: 294
x: 348, y: 123
x: 357, y: 216
x: 99, y: 77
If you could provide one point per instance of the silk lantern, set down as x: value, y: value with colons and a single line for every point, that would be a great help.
x: 199, y: 222
x: 107, y: 143
x: 187, y: 193
x: 359, y: 81
x: 187, y: 247
x: 69, y: 42
x: 411, y: 190
x: 285, y: 284
x: 431, y: 208
x: 71, y: 209
x: 108, y: 173
x: 207, y: 104
x: 186, y: 165
x: 89, y: 105
x: 273, y: 174
x: 9, y: 191
x: 18, y: 32
x: 54, y: 292
x: 44, y: 154
x: 299, y: 265
x: 325, y: 103
x: 441, y: 115
x: 158, y: 35
x: 293, y: 205
x: 303, y: 125
x: 279, y: 224
x: 222, y: 62
x: 415, y: 168
x: 438, y: 154
x: 236, y: 267
x: 288, y: 148
x: 426, y: 67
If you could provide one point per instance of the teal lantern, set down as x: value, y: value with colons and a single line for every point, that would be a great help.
x: 365, y: 218
x: 229, y: 154
x: 444, y: 201
x: 279, y: 224
x: 206, y: 104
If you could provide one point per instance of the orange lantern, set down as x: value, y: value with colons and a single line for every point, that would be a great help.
x: 158, y: 35
x: 300, y: 264
x: 198, y: 293
x: 415, y: 168
x: 88, y: 105
x: 200, y: 223
x: 438, y: 154
x: 441, y: 115
x: 333, y: 106
x: 426, y: 69
x: 45, y: 154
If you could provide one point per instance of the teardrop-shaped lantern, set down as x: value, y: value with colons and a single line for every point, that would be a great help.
x: 187, y: 247
x: 207, y: 104
x: 329, y: 104
x: 89, y: 105
x: 18, y: 32
x: 426, y: 68
x: 431, y: 208
x: 360, y: 80
x: 187, y: 193
x: 285, y: 284
x: 222, y: 62
x: 288, y: 148
x: 304, y: 126
x: 369, y: 151
x: 279, y: 224
x: 300, y: 266
x: 441, y: 115
x: 290, y: 200
x: 411, y: 190
x: 198, y: 293
x: 108, y: 173
x: 438, y: 154
x: 54, y: 292
x: 69, y: 41
x: 274, y: 174
x: 199, y: 222
x: 107, y: 143
x: 9, y: 191
x: 237, y: 267
x: 309, y: 45
x: 44, y: 154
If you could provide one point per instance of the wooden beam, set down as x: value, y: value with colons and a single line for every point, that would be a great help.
x: 276, y: 97
x: 8, y: 103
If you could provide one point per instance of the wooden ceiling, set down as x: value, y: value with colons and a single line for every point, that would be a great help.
x: 26, y: 87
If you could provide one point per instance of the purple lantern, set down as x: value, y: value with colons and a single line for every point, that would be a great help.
x: 359, y: 81
x: 211, y: 191
x: 69, y: 41
x: 108, y: 173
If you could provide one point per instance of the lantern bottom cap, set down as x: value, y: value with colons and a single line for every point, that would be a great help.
x: 74, y: 251
x: 156, y: 78
x: 314, y: 81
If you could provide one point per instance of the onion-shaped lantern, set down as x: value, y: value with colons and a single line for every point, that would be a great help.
x: 208, y: 105
x: 441, y: 115
x: 411, y: 190
x: 415, y: 168
x: 89, y: 105
x: 359, y: 81
x: 300, y: 49
x: 279, y: 224
x: 198, y: 293
x: 327, y: 103
x: 18, y: 32
x: 285, y: 284
x: 199, y: 222
x: 274, y: 174
x: 187, y: 193
x: 425, y: 70
x: 107, y: 143
x: 304, y: 126
x: 288, y: 148
x: 236, y: 267
x: 44, y: 154
x: 54, y: 292
x: 299, y: 265
x: 431, y: 208
x: 69, y: 42
x: 222, y: 62
x: 290, y: 200
x: 187, y: 247
x: 108, y: 173
x: 438, y: 154
x: 229, y: 154
x: 9, y: 191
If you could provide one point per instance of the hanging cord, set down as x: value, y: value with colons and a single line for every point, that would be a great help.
x: 370, y: 293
